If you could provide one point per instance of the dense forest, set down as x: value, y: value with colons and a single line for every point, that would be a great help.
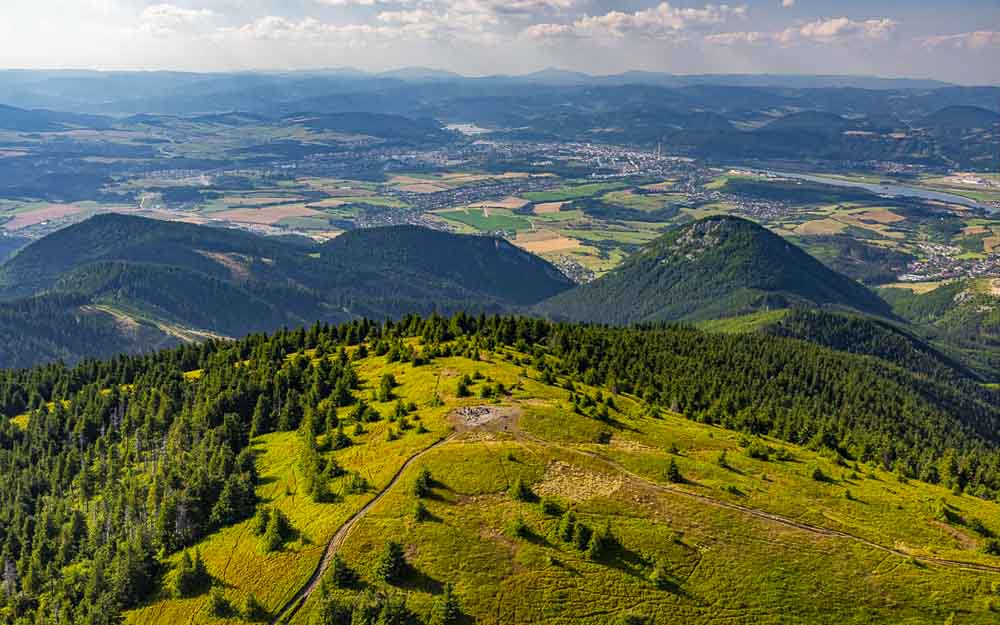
x: 66, y: 327
x: 231, y: 283
x: 113, y: 465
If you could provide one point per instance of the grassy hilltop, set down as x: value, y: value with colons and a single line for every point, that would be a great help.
x: 753, y: 528
x: 455, y: 471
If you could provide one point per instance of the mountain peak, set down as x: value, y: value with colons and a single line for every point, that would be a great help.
x: 715, y: 267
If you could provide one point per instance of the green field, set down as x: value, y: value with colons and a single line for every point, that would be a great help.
x: 498, y: 219
x: 748, y: 539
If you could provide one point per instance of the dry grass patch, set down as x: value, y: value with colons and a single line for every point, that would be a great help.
x: 860, y: 221
x: 541, y: 242
x: 881, y: 215
x: 575, y: 483
x: 42, y: 214
x: 548, y: 208
x: 510, y: 203
x: 424, y: 187
x: 329, y: 203
x: 267, y: 216
x: 666, y: 185
x: 919, y: 288
x: 820, y: 227
x: 237, y: 264
x: 991, y: 244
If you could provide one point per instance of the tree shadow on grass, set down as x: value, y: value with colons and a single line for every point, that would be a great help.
x: 416, y: 579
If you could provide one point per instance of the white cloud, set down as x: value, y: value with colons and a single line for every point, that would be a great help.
x: 168, y: 13
x: 978, y: 40
x: 163, y: 20
x: 840, y: 30
x: 663, y: 21
x: 787, y: 3
x: 464, y: 23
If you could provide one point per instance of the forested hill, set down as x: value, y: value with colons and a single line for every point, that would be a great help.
x: 490, y: 265
x: 69, y: 328
x: 715, y: 267
x: 232, y: 283
x: 112, y: 468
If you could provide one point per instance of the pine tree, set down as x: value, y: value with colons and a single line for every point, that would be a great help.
x: 446, y: 610
x: 674, y: 472
x: 567, y: 526
x: 391, y: 565
x: 276, y: 532
x: 422, y: 485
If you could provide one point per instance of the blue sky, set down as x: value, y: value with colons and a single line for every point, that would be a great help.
x: 958, y: 41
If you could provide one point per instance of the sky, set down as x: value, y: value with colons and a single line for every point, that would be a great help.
x: 957, y: 40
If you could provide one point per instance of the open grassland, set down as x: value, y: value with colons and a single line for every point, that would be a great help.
x: 487, y: 220
x: 630, y: 199
x: 744, y: 323
x: 919, y: 288
x: 739, y: 537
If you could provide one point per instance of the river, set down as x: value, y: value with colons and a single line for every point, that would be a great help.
x: 891, y: 190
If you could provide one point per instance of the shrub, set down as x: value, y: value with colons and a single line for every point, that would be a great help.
x: 519, y: 491
x: 991, y: 547
x: 518, y: 528
x: 340, y: 575
x: 722, y: 460
x: 251, y: 609
x: 758, y: 451
x: 550, y: 507
x: 218, y: 605
x: 354, y: 483
x: 661, y: 577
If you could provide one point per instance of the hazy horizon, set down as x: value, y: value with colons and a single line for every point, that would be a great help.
x: 955, y: 42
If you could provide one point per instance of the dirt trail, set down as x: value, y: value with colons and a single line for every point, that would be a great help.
x: 292, y: 606
x: 507, y: 417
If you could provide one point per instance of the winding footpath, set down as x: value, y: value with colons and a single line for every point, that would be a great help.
x: 293, y: 605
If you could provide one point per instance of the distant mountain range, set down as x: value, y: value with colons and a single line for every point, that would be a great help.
x: 191, y: 93
x: 117, y: 275
x: 191, y: 281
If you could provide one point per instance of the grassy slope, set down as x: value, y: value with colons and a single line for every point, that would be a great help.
x: 730, y: 563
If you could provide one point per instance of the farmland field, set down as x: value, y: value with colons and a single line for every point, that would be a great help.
x: 487, y: 220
